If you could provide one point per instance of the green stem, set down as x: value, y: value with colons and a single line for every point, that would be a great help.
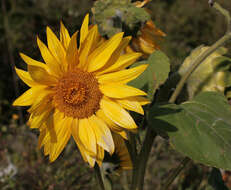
x: 176, y: 172
x: 99, y: 177
x: 141, y: 162
x: 197, y: 62
x: 226, y: 14
x: 131, y: 146
x: 144, y: 155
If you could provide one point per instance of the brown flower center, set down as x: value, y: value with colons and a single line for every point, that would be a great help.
x: 77, y: 94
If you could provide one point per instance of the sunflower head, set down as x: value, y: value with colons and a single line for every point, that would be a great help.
x: 81, y: 91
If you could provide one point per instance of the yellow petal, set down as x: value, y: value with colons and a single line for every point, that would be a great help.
x: 131, y: 104
x: 122, y: 152
x: 41, y: 137
x: 87, y: 136
x: 102, y: 133
x: 40, y: 75
x: 100, y: 155
x: 123, y: 76
x: 53, y: 65
x: 36, y: 121
x: 102, y: 54
x: 115, y: 56
x: 47, y: 149
x: 123, y: 134
x: 72, y: 53
x: 58, y: 121
x: 44, y: 138
x: 64, y: 36
x: 87, y: 46
x: 98, y: 40
x: 25, y: 77
x: 142, y: 100
x: 123, y: 62
x: 116, y: 90
x: 50, y: 125
x: 84, y: 29
x: 33, y: 62
x: 108, y: 121
x: 28, y: 97
x: 63, y: 135
x: 90, y: 160
x: 125, y: 41
x: 41, y: 102
x: 74, y: 132
x: 56, y: 48
x: 82, y: 150
x: 117, y: 114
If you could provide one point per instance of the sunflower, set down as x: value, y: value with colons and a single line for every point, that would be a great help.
x: 81, y: 91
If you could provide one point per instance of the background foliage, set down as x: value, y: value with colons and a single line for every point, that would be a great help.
x: 187, y: 24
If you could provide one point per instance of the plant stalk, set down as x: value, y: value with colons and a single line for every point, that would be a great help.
x: 99, y: 177
x: 141, y: 161
x: 226, y: 14
x: 131, y: 146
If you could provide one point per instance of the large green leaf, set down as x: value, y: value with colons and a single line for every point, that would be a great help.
x: 155, y: 75
x: 200, y: 129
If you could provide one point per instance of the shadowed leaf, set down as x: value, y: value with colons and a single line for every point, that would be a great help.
x: 203, y: 128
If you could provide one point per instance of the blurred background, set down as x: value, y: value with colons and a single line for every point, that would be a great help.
x: 187, y: 24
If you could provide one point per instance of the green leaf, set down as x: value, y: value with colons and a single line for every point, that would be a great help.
x: 155, y: 75
x: 200, y: 129
x: 211, y: 75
